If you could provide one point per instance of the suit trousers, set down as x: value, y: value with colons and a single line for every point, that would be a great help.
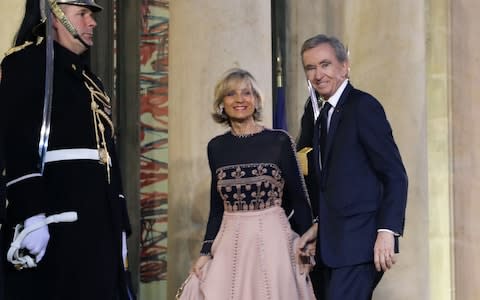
x: 347, y: 283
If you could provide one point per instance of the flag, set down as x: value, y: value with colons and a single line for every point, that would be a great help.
x: 280, y: 113
x: 279, y: 116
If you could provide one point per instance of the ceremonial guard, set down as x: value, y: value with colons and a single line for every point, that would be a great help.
x: 66, y: 219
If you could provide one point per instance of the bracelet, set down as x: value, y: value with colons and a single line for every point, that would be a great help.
x: 315, y: 220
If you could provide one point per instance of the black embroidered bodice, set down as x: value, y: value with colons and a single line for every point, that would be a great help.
x: 254, y: 173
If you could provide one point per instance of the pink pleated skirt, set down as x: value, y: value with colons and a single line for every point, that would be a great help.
x: 254, y: 259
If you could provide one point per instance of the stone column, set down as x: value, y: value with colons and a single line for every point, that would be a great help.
x: 387, y: 52
x: 206, y: 39
x: 11, y: 14
x: 439, y: 150
x: 465, y: 124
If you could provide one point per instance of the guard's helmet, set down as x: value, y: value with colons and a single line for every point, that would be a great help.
x: 88, y: 3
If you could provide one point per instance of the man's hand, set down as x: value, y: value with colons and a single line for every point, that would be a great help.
x: 36, y: 241
x: 384, y: 253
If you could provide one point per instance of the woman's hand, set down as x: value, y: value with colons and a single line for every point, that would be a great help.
x: 198, y: 265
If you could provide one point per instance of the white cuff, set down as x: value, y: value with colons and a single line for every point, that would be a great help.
x: 388, y: 230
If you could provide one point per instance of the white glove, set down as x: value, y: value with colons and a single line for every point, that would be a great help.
x: 124, y: 249
x: 36, y: 241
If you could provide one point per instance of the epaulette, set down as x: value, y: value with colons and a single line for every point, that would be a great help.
x: 18, y: 48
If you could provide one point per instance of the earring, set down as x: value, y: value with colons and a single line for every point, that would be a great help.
x: 220, y: 110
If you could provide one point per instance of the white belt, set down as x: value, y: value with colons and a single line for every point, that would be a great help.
x: 72, y: 154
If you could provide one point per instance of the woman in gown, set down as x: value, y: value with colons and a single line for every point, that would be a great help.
x: 249, y: 246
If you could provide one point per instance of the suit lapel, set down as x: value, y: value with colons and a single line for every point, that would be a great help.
x: 335, y: 120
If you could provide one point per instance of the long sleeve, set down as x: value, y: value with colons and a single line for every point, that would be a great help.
x: 2, y: 167
x: 118, y: 190
x: 26, y: 189
x: 295, y: 194
x: 216, y: 207
x: 376, y: 136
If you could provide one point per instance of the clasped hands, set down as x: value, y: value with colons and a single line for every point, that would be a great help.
x: 383, y: 252
x: 306, y: 248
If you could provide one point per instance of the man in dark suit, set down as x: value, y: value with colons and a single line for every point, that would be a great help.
x: 357, y: 178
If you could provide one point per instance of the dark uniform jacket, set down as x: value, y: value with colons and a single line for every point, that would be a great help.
x: 2, y: 181
x: 83, y: 259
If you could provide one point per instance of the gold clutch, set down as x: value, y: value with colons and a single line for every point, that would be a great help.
x: 182, y: 287
x: 303, y: 160
x: 190, y: 288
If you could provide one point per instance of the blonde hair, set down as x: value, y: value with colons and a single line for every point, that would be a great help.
x: 223, y: 86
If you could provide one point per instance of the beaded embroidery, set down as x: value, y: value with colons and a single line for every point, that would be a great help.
x: 250, y: 187
x: 247, y: 134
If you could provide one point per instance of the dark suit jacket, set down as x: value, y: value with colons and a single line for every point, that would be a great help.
x: 2, y: 167
x: 363, y: 185
x: 2, y: 193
